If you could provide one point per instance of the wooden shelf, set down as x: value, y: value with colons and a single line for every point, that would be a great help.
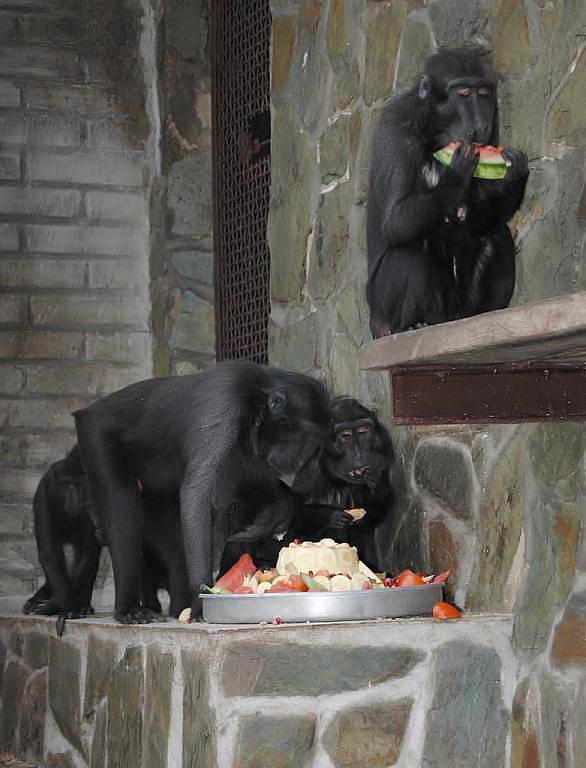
x: 553, y: 330
x: 526, y: 363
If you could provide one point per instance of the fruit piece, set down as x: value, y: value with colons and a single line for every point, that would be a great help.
x: 263, y: 587
x: 243, y: 591
x: 323, y: 580
x: 298, y: 583
x: 282, y: 586
x: 323, y: 572
x: 408, y: 579
x: 291, y: 569
x: 491, y: 163
x: 185, y: 615
x: 445, y: 611
x: 356, y: 513
x: 441, y: 578
x: 340, y: 583
x: 234, y: 578
x: 359, y: 580
x: 266, y: 575
x: 367, y: 572
x: 311, y: 584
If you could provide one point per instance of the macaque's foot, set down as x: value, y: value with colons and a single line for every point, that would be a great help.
x: 138, y: 615
x: 43, y: 607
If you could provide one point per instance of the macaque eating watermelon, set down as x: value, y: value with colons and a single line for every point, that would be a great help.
x: 491, y: 163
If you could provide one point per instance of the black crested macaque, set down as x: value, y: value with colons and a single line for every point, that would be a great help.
x: 438, y: 243
x: 236, y: 431
x: 351, y: 471
x: 62, y: 516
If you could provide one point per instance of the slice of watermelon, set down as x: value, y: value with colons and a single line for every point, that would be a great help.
x: 233, y: 578
x: 491, y: 165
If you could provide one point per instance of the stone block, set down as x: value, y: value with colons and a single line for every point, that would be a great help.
x: 556, y: 453
x: 524, y: 724
x: 121, y: 273
x: 14, y: 518
x: 38, y: 202
x: 368, y: 737
x: 40, y: 130
x: 98, y: 752
x: 15, y: 680
x: 50, y: 30
x: 445, y: 471
x: 288, y: 670
x: 334, y: 150
x: 8, y: 28
x: 194, y: 265
x: 382, y: 43
x: 416, y: 46
x: 40, y: 62
x: 81, y: 379
x: 196, y: 325
x: 42, y: 273
x: 9, y: 167
x: 510, y: 19
x: 8, y: 237
x: 104, y: 134
x: 91, y: 167
x: 48, y: 413
x: 9, y: 94
x: 199, y: 744
x: 101, y: 659
x: 410, y: 545
x: 443, y: 554
x: 567, y: 114
x: 283, y: 30
x: 35, y: 650
x: 455, y: 22
x: 159, y: 684
x: 104, y: 241
x: 60, y: 760
x: 329, y: 256
x: 117, y: 206
x: 186, y: 30
x: 569, y: 642
x: 12, y: 379
x: 557, y: 709
x: 12, y: 310
x: 189, y: 195
x: 19, y: 481
x: 467, y: 722
x: 294, y: 341
x: 130, y: 347
x: 343, y: 39
x: 125, y: 732
x: 309, y: 67
x: 31, y: 732
x: 44, y: 344
x: 77, y: 310
x: 64, y: 683
x: 276, y: 741
x: 81, y: 99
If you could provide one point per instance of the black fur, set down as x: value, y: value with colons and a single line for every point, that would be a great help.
x: 438, y: 243
x: 235, y: 431
x: 324, y: 488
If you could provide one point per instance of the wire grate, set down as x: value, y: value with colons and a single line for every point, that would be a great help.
x: 242, y: 174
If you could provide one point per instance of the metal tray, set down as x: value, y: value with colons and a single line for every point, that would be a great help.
x: 321, y: 606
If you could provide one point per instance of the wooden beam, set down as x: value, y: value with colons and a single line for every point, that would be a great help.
x: 543, y: 331
x: 488, y: 394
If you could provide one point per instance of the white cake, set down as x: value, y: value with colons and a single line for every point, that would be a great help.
x: 324, y: 555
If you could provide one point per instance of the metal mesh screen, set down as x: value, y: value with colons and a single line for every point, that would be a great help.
x: 241, y: 39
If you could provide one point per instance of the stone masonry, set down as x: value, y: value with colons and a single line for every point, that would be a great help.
x: 502, y: 506
x: 405, y: 693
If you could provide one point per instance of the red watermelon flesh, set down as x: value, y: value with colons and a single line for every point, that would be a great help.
x: 491, y: 163
x: 233, y: 578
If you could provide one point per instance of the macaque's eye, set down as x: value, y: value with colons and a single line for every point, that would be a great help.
x: 485, y: 93
x: 345, y: 434
x: 465, y: 92
x: 365, y: 430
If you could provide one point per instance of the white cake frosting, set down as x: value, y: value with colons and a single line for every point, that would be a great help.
x: 326, y: 555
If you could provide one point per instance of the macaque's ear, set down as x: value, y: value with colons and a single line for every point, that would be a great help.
x: 277, y: 401
x: 424, y: 88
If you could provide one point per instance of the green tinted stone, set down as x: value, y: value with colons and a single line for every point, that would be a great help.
x: 35, y: 650
x: 31, y: 731
x: 383, y: 33
x: 125, y: 711
x: 195, y: 329
x: 98, y: 755
x: 64, y: 697
x: 444, y: 470
x: 101, y: 658
x: 159, y: 682
x: 293, y: 340
x: 288, y: 669
x: 509, y: 18
x: 456, y: 22
x: 15, y: 679
x: 334, y: 150
x: 556, y: 452
x: 273, y: 742
x: 416, y: 46
x: 343, y: 46
x: 467, y: 723
x: 556, y: 721
x: 199, y: 749
x: 283, y: 40
x: 567, y: 115
x: 368, y: 737
x: 329, y: 255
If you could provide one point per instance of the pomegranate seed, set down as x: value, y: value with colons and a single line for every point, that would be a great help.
x: 388, y: 582
x: 277, y: 620
x: 296, y: 541
x: 310, y: 573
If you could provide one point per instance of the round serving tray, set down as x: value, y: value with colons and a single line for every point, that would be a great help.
x: 386, y: 603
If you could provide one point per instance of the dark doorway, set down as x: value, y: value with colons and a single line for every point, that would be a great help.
x: 241, y: 31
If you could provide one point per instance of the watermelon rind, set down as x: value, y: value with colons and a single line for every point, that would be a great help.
x: 493, y: 169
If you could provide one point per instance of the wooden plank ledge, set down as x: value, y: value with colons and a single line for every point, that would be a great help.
x: 553, y: 330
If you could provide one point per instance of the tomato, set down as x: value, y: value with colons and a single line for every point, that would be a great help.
x: 233, y: 578
x: 442, y: 577
x: 243, y: 591
x: 292, y: 584
x: 445, y: 611
x: 298, y: 584
x: 408, y: 579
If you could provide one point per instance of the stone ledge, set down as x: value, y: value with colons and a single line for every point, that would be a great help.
x: 145, y: 695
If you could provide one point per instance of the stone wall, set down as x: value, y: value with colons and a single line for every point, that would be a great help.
x: 503, y: 506
x: 406, y: 693
x: 181, y: 205
x: 78, y: 152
